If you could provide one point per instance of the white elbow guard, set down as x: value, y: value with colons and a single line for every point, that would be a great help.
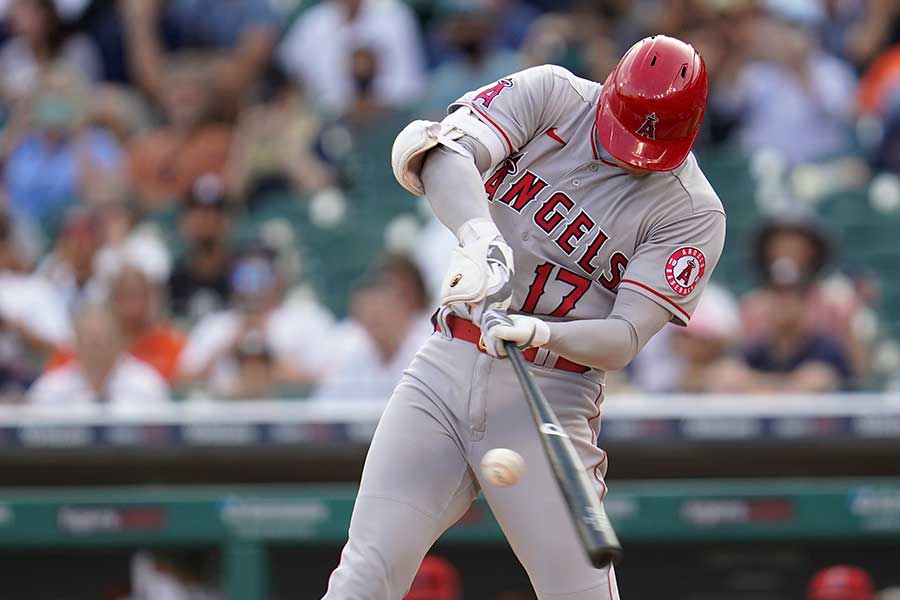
x: 411, y: 146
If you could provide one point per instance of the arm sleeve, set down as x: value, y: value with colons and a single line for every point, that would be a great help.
x: 453, y: 183
x: 609, y: 344
x: 673, y: 266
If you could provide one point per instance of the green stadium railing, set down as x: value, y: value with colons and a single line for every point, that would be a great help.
x: 243, y: 521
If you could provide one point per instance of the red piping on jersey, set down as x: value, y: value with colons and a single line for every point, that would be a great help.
x: 687, y: 317
x: 609, y: 581
x: 552, y: 133
x: 492, y: 122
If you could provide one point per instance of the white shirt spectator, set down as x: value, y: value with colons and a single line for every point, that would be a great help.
x: 20, y: 72
x: 132, y: 384
x: 295, y: 332
x: 776, y: 109
x: 32, y: 303
x: 316, y: 51
x: 61, y: 276
x: 358, y: 371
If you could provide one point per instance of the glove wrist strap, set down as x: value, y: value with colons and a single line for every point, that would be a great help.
x: 480, y: 228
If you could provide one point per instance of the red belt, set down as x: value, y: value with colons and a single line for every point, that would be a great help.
x: 463, y: 329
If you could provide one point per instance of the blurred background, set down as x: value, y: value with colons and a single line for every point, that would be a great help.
x: 210, y: 282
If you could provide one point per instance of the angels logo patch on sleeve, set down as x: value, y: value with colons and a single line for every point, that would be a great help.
x: 684, y: 269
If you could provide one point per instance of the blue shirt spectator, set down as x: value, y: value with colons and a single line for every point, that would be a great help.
x: 818, y: 348
x: 215, y: 23
x: 44, y: 175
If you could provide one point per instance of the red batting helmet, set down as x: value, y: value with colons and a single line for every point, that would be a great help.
x: 841, y: 582
x: 437, y: 579
x: 652, y: 104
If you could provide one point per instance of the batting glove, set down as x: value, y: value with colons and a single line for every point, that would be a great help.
x: 498, y: 327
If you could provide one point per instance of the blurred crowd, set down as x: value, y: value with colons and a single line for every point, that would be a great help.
x: 195, y: 198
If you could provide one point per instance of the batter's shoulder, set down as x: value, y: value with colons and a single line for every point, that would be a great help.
x: 698, y: 194
x: 584, y: 89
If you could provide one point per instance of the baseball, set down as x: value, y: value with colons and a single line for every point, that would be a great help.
x: 502, y: 467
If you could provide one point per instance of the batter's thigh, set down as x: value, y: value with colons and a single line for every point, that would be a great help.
x: 532, y: 513
x: 415, y: 484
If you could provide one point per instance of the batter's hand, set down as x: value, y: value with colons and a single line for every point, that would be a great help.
x: 478, y: 278
x: 524, y: 331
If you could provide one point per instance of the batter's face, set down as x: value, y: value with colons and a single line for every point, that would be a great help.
x: 631, y: 169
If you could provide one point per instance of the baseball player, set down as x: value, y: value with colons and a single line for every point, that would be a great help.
x: 584, y: 226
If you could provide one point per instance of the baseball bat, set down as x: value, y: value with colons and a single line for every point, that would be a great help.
x: 594, y: 529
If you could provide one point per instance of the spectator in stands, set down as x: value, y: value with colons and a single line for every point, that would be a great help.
x: 579, y: 39
x: 794, y: 357
x: 388, y: 323
x: 198, y: 285
x: 877, y: 27
x: 293, y: 328
x: 128, y: 243
x: 799, y: 240
x: 257, y: 369
x: 102, y: 371
x: 367, y: 128
x: 273, y: 146
x: 70, y: 266
x: 32, y: 319
x: 841, y: 582
x: 317, y: 51
x: 437, y: 579
x: 136, y: 303
x: 165, y: 163
x: 686, y: 359
x: 40, y: 43
x: 241, y: 34
x: 879, y: 98
x: 471, y: 57
x: 55, y: 160
x: 790, y: 90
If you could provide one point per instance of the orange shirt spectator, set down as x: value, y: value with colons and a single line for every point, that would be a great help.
x: 134, y: 301
x: 880, y: 81
x: 160, y: 346
x: 165, y: 164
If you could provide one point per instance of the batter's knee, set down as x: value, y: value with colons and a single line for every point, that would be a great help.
x: 388, y: 540
x: 607, y: 589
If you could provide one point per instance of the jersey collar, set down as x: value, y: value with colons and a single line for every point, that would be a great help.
x: 600, y: 152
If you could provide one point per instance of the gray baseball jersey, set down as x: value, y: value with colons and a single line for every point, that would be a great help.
x: 581, y: 229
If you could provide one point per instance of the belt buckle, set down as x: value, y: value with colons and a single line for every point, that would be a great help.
x: 481, y: 345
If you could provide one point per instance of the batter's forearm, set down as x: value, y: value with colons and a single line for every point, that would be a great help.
x: 454, y: 188
x: 605, y: 344
x: 610, y: 344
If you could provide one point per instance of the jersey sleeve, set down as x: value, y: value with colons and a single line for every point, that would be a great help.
x: 505, y: 114
x: 675, y: 263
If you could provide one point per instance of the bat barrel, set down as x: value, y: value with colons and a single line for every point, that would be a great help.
x: 588, y: 516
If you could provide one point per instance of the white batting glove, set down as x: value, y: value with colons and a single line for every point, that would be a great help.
x: 478, y: 278
x: 524, y: 331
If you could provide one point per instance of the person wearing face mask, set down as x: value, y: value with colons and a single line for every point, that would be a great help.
x: 199, y: 282
x: 317, y: 52
x: 58, y: 157
x: 289, y: 327
x: 799, y: 241
x: 467, y: 33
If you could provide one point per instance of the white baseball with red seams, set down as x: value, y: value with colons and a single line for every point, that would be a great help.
x: 581, y: 229
x: 502, y: 467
